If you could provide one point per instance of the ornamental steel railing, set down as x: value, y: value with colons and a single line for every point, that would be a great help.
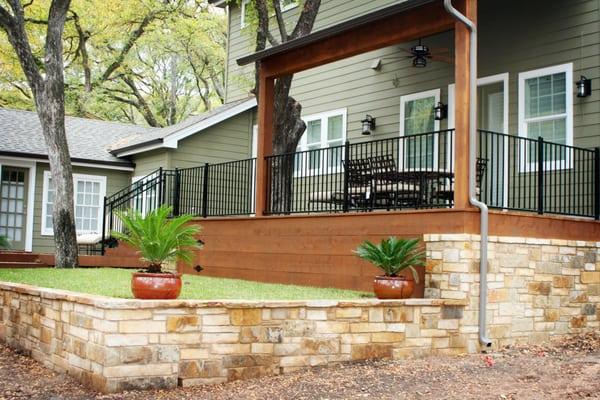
x: 210, y: 190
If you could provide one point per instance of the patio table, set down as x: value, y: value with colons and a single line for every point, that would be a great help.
x: 423, y: 179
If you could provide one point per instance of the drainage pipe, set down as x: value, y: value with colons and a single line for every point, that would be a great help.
x: 483, y: 339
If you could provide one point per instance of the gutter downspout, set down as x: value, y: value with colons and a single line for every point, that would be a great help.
x: 483, y: 339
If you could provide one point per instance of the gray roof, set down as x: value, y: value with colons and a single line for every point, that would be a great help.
x: 89, y: 139
x: 157, y: 135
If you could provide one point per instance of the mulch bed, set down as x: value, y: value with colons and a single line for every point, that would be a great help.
x: 568, y: 368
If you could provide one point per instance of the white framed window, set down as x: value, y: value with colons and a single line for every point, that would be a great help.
x: 417, y: 117
x: 244, y: 9
x: 546, y: 110
x: 325, y: 132
x: 89, y: 192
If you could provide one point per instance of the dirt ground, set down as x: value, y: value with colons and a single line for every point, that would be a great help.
x: 566, y: 369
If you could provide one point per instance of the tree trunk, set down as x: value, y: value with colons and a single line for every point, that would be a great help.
x: 51, y: 113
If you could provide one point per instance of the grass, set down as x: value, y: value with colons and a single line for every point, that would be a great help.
x: 116, y: 282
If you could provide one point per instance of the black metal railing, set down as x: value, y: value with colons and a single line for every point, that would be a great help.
x: 210, y: 190
x: 402, y: 172
x: 539, y: 176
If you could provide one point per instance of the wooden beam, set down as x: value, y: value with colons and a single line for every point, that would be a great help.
x: 265, y: 137
x: 423, y: 21
x: 462, y: 95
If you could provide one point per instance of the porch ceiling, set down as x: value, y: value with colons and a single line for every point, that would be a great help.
x: 402, y: 22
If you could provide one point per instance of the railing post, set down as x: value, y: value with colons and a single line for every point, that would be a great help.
x: 597, y: 183
x: 346, y: 174
x: 176, y: 194
x: 103, y: 226
x: 205, y: 192
x: 540, y: 170
x: 160, y: 187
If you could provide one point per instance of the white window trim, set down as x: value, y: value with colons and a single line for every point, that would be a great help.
x: 290, y: 6
x: 243, y: 13
x: 15, y: 162
x: 46, y: 231
x: 436, y: 124
x: 486, y: 80
x: 525, y: 166
x: 303, y: 141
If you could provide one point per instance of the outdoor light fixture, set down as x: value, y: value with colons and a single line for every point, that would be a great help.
x: 368, y: 124
x: 584, y: 87
x: 440, y: 111
x: 376, y: 64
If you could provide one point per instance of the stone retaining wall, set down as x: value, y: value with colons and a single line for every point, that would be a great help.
x: 117, y: 344
x: 538, y: 288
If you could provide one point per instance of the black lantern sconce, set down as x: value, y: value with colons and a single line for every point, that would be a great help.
x: 584, y: 87
x: 440, y: 111
x: 368, y: 125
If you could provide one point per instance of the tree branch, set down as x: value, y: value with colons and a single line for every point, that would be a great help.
x: 280, y: 21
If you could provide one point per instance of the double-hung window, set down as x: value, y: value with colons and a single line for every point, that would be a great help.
x: 419, y: 148
x: 546, y: 110
x: 321, y: 146
x: 89, y: 190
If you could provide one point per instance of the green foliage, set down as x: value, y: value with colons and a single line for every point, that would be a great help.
x: 158, y: 238
x: 393, y: 255
x: 4, y: 243
x: 168, y: 59
x: 116, y: 282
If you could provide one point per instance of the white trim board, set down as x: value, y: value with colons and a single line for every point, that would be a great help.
x: 31, y: 164
x: 75, y: 164
x: 171, y: 141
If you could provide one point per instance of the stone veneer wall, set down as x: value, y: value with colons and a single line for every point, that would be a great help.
x: 537, y: 287
x: 118, y: 344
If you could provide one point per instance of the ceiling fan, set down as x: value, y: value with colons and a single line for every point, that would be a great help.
x: 420, y: 53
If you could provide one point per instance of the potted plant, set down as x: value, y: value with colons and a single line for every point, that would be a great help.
x: 160, y: 241
x: 392, y: 256
x: 4, y: 242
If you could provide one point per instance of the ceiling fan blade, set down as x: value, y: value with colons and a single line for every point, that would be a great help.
x: 440, y: 50
x: 406, y: 50
x: 444, y: 59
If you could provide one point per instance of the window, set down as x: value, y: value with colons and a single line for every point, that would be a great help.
x: 89, y: 191
x: 546, y: 110
x: 325, y: 131
x: 416, y: 117
x: 244, y: 12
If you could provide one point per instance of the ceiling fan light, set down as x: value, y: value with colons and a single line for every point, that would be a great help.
x: 419, y: 62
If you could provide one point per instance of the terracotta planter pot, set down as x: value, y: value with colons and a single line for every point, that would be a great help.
x: 393, y: 287
x: 148, y: 286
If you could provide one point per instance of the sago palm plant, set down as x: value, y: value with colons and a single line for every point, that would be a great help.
x: 393, y: 255
x: 4, y: 243
x: 158, y: 238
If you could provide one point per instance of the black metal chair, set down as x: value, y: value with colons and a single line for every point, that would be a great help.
x: 390, y: 187
x: 446, y: 192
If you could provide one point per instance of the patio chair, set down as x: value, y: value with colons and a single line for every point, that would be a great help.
x: 446, y: 193
x: 390, y: 187
x: 359, y: 187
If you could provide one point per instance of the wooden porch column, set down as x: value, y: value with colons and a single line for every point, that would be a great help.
x: 462, y: 95
x: 265, y: 137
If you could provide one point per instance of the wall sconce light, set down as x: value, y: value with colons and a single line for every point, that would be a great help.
x: 440, y: 111
x: 376, y: 64
x: 368, y: 124
x: 584, y: 87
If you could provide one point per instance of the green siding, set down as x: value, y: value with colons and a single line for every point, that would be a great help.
x: 115, y: 180
x: 150, y: 161
x: 227, y: 141
x: 514, y: 37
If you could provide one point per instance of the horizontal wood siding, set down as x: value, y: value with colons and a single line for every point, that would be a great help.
x: 115, y: 180
x: 146, y: 163
x: 227, y: 141
x: 514, y: 37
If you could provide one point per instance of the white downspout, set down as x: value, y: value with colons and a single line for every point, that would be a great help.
x: 483, y: 339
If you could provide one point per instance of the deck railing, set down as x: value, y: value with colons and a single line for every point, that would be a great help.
x: 406, y: 172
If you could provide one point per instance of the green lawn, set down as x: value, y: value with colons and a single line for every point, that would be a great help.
x: 116, y: 283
